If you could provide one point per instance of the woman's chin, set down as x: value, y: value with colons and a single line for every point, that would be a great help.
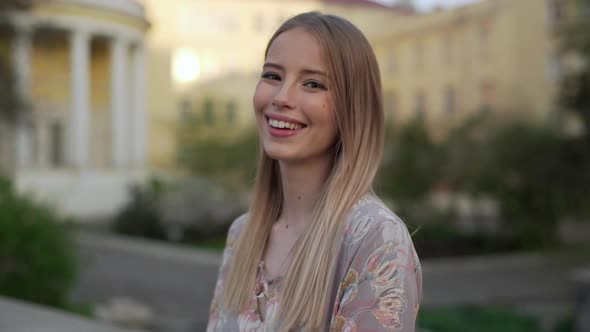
x: 279, y: 156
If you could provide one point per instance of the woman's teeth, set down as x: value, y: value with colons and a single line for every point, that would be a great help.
x: 283, y: 124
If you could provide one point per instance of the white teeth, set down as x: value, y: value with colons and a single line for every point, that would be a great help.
x: 283, y: 124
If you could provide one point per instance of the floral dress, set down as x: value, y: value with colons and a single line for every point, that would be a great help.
x: 377, y: 284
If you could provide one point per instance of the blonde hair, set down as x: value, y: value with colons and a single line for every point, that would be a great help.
x: 356, y: 92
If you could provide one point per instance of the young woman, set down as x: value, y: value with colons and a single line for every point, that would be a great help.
x: 317, y: 250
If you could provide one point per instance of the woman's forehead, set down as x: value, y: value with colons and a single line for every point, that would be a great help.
x: 297, y: 47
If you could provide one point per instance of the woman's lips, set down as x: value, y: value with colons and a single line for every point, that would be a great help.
x: 279, y: 128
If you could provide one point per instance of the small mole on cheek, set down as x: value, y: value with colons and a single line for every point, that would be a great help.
x: 298, y: 197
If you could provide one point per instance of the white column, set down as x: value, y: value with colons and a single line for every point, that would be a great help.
x: 80, y: 103
x: 140, y: 119
x: 21, y: 57
x: 119, y: 102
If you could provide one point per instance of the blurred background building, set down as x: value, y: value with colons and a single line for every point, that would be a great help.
x: 93, y: 70
x: 79, y: 68
x: 486, y: 156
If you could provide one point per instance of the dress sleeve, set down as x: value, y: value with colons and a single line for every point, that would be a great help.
x: 232, y: 237
x: 381, y: 290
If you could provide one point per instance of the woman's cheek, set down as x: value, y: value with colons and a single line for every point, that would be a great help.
x: 261, y: 97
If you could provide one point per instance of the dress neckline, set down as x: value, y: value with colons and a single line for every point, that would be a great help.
x: 263, y: 276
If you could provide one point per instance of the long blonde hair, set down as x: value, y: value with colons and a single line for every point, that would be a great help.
x: 356, y: 91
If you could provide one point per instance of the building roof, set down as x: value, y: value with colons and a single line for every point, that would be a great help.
x: 366, y: 3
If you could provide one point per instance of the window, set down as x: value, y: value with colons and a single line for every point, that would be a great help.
x: 450, y: 102
x: 391, y: 63
x: 420, y: 104
x: 419, y: 56
x: 447, y: 50
x: 187, y: 114
x: 185, y: 107
x: 552, y: 67
x: 389, y: 105
x: 487, y: 92
x: 258, y: 22
x: 208, y: 112
x: 230, y: 112
x: 56, y: 138
x: 484, y: 36
x: 555, y: 12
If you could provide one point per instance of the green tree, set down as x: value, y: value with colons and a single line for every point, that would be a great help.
x: 228, y: 160
x: 10, y: 102
x: 13, y: 109
x: 411, y: 163
x: 38, y: 262
x: 575, y: 87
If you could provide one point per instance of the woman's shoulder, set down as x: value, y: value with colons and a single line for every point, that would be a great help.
x: 235, y: 229
x: 370, y: 217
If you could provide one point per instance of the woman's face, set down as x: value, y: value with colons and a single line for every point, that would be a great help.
x: 293, y: 102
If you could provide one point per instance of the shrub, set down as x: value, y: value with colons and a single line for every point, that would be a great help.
x: 443, y: 240
x: 469, y: 319
x: 37, y: 256
x: 565, y: 324
x: 230, y: 161
x: 140, y: 217
x: 187, y: 210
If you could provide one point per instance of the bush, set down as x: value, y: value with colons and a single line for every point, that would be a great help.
x: 537, y: 175
x: 411, y: 164
x: 140, y: 217
x: 230, y: 161
x: 37, y: 256
x: 565, y: 324
x: 189, y: 210
x: 443, y: 240
x: 469, y: 319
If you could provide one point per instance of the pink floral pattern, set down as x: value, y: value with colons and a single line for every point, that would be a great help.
x: 377, y: 285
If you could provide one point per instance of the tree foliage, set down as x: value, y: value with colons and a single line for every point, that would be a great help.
x: 37, y: 257
x: 228, y: 160
x: 15, y: 4
x: 537, y: 175
x: 575, y: 87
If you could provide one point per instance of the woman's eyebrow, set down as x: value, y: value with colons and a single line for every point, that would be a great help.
x: 308, y: 71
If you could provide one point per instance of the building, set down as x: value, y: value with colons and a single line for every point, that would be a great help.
x: 206, y: 58
x: 92, y: 72
x: 497, y: 56
x: 79, y: 66
x: 492, y: 56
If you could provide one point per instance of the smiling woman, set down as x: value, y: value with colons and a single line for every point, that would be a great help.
x: 318, y: 251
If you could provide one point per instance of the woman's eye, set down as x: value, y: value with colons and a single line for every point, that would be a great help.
x: 314, y: 85
x: 271, y: 76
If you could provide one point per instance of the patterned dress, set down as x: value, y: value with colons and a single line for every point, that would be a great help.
x: 377, y: 283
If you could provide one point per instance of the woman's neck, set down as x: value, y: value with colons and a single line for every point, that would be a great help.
x: 302, y: 187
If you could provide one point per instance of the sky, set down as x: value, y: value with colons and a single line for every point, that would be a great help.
x: 428, y: 4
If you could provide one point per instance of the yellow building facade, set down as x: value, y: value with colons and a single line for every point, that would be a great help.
x: 206, y: 57
x: 492, y: 56
x: 94, y: 71
x: 495, y: 55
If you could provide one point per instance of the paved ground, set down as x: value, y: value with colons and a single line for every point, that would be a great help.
x: 177, y: 283
x: 16, y: 316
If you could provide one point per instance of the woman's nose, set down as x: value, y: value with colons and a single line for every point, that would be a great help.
x: 285, y: 96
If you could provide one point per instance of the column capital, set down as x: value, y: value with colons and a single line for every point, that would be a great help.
x: 23, y: 28
x: 21, y: 23
x: 81, y: 34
